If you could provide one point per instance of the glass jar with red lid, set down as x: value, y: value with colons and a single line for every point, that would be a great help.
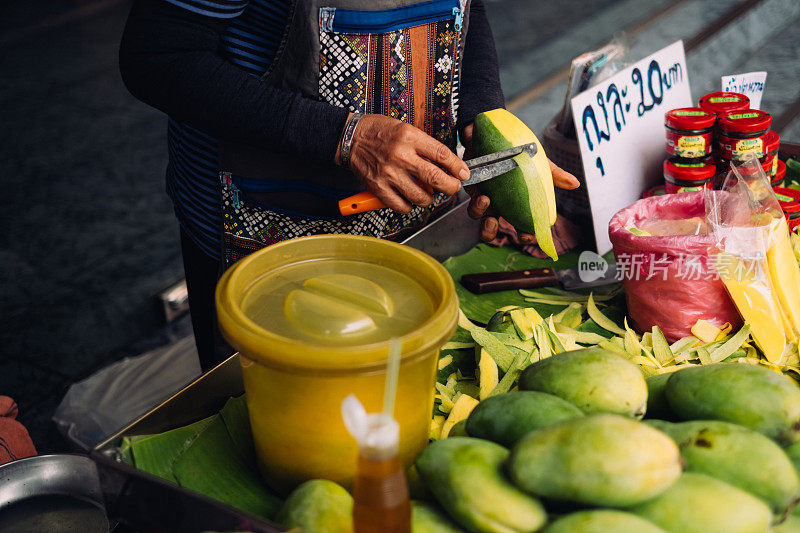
x: 685, y: 176
x: 789, y: 200
x: 690, y: 132
x: 742, y: 133
x: 723, y: 102
x: 658, y: 190
x: 773, y: 143
x: 780, y: 174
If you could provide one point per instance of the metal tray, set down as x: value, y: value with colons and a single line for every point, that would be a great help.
x: 147, y: 502
x: 51, y: 493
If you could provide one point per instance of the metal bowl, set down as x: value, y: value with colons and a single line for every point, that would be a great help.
x: 53, y: 493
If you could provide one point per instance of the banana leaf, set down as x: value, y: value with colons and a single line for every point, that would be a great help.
x: 485, y: 258
x: 156, y: 454
x: 237, y: 422
x: 212, y: 467
x: 126, y: 450
x: 460, y: 361
x: 213, y: 456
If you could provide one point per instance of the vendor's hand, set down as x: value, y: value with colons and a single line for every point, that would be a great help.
x: 479, y: 205
x: 393, y: 159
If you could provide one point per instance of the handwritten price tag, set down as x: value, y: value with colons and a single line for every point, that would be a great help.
x: 620, y: 127
x: 750, y: 84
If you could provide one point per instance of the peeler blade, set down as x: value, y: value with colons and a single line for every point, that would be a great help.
x: 489, y: 166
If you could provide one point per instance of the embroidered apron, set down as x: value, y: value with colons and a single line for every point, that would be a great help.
x: 397, y: 58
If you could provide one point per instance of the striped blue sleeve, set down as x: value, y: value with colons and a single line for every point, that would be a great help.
x: 222, y: 9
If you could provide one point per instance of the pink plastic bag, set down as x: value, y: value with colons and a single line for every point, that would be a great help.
x: 669, y: 281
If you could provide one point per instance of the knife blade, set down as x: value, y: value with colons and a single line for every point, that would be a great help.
x: 492, y: 165
x: 534, y: 278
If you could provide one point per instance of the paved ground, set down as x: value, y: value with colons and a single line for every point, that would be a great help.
x: 88, y: 232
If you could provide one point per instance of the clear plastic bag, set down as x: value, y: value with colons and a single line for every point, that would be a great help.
x: 94, y: 408
x: 754, y: 258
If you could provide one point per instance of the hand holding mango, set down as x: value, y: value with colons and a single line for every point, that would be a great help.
x: 524, y: 196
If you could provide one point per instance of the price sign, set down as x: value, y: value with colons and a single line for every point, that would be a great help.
x: 750, y: 85
x: 620, y: 127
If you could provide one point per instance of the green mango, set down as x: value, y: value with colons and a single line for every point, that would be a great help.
x: 601, y: 459
x: 701, y: 504
x: 416, y: 488
x: 602, y: 521
x: 501, y: 323
x: 593, y: 379
x: 790, y: 525
x: 657, y: 404
x: 426, y: 518
x: 524, y: 195
x: 793, y: 453
x: 505, y: 418
x: 465, y: 476
x: 751, y: 396
x: 318, y: 506
x: 738, y: 456
x: 459, y: 429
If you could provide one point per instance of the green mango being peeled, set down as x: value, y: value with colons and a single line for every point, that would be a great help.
x: 524, y: 196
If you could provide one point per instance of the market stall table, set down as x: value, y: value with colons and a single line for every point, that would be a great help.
x: 143, y: 500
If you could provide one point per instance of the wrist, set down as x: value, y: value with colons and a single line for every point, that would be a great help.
x: 338, y: 154
x: 346, y: 140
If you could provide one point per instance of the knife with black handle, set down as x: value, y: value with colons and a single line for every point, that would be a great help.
x: 534, y: 278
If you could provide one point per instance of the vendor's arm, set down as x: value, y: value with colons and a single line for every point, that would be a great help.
x: 481, y: 91
x: 169, y: 58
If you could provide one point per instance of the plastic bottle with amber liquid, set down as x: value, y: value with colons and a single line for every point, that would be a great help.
x: 380, y: 491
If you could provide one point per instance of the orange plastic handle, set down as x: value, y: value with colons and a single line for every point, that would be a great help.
x: 366, y: 201
x: 360, y: 203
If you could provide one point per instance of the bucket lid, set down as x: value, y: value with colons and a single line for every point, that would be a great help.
x: 333, y: 302
x: 689, y: 118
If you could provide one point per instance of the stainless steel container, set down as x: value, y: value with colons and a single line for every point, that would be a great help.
x: 53, y: 493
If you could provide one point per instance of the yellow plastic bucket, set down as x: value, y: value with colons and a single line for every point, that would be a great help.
x: 295, y: 385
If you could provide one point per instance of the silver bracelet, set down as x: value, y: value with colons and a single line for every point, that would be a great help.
x: 347, y: 139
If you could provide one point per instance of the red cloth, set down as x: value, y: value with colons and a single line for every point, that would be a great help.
x: 15, y: 443
x: 566, y: 236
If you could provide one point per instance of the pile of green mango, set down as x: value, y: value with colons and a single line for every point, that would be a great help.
x: 587, y: 444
